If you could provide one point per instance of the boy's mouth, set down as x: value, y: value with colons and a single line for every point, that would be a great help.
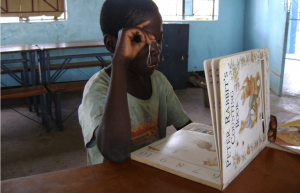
x: 153, y: 65
x: 154, y: 62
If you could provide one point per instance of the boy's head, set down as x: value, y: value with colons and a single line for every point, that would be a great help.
x: 118, y: 14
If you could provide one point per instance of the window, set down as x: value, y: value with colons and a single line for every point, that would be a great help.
x: 188, y: 9
x: 32, y: 10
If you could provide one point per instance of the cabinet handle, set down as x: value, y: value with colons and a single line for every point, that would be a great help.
x: 182, y: 58
x: 162, y: 58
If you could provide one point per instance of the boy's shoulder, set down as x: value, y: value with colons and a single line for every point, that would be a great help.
x: 98, y: 80
x: 158, y: 75
x: 160, y: 81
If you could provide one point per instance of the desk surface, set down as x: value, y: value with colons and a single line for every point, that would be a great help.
x: 69, y: 45
x: 51, y: 46
x: 18, y: 48
x: 271, y: 171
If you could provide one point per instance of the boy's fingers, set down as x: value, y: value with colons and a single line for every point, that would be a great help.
x: 270, y: 133
x: 271, y: 139
x: 150, y: 38
x: 272, y: 128
x: 143, y: 24
x: 145, y: 37
x: 273, y: 122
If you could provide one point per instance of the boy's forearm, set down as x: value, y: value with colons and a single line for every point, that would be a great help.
x: 114, y: 132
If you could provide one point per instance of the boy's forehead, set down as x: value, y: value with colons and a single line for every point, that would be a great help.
x: 155, y: 22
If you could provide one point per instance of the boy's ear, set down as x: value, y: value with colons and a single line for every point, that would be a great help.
x: 110, y: 42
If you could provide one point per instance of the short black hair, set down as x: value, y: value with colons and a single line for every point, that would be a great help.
x: 118, y: 14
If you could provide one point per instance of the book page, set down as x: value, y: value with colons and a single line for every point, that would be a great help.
x: 185, y: 153
x: 215, y: 76
x: 288, y: 136
x: 245, y: 113
x: 211, y: 96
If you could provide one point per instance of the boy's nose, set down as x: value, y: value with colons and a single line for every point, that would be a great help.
x: 155, y: 48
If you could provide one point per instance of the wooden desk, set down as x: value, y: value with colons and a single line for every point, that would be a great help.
x: 18, y: 48
x: 69, y: 45
x: 23, y: 49
x: 271, y: 171
x: 30, y: 88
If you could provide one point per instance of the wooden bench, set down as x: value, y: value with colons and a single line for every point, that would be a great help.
x: 79, y: 65
x: 15, y: 69
x: 56, y: 90
x: 18, y: 93
x: 59, y: 88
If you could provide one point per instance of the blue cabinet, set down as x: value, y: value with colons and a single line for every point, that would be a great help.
x: 174, y: 57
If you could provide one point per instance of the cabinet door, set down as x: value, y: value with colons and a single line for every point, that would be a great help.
x: 178, y: 55
x: 164, y: 56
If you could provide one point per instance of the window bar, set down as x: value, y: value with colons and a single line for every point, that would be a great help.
x: 183, y: 8
x: 6, y: 7
x: 213, y: 11
x: 193, y: 7
x: 56, y: 9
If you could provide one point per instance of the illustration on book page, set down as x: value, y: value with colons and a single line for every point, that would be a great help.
x: 288, y: 136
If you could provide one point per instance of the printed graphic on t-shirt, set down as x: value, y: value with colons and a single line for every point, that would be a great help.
x: 145, y: 129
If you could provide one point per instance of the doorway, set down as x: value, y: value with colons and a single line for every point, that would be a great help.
x: 292, y: 62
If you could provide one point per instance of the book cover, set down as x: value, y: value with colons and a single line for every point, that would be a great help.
x: 245, y: 109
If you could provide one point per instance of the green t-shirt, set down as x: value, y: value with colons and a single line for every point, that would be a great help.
x: 149, y: 118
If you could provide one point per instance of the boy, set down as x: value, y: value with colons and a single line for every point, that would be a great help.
x: 129, y: 104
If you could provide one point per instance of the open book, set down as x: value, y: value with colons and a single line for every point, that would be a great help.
x: 238, y: 88
x: 288, y: 137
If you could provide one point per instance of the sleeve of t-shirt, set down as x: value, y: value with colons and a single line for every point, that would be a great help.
x: 176, y: 116
x: 91, y: 108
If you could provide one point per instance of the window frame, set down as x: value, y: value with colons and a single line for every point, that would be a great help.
x: 34, y: 11
x: 193, y: 17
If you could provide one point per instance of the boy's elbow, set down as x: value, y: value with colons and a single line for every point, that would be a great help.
x: 118, y: 160
x: 115, y: 154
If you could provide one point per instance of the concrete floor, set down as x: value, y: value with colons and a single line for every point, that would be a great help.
x: 26, y: 149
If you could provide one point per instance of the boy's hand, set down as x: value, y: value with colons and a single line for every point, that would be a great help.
x: 272, y: 129
x: 126, y: 47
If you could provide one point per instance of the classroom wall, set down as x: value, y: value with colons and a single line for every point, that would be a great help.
x: 82, y: 24
x: 256, y: 23
x: 265, y: 23
x: 208, y: 39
